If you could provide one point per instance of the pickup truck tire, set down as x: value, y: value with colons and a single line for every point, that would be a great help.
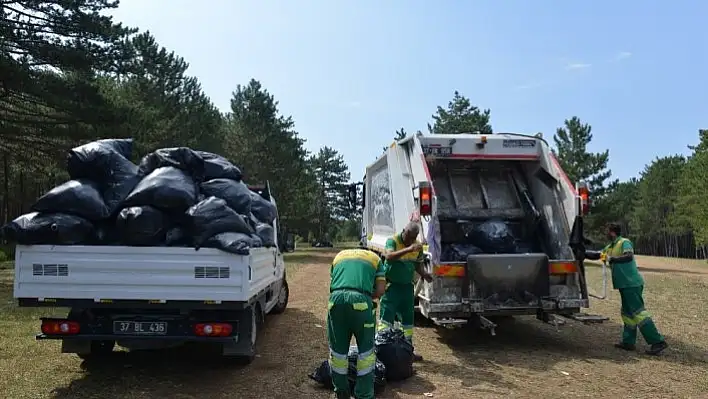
x: 283, y: 297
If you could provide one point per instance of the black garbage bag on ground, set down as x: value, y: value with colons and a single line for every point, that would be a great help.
x: 167, y: 188
x: 182, y: 158
x: 92, y: 159
x: 211, y: 217
x: 76, y: 197
x: 235, y: 243
x: 323, y: 373
x: 263, y: 210
x: 236, y: 194
x: 141, y: 226
x: 218, y: 167
x: 48, y: 228
x: 459, y: 252
x: 396, y: 353
x: 493, y: 236
x: 266, y: 233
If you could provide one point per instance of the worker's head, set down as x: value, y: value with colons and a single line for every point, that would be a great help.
x: 410, y: 233
x: 613, y: 230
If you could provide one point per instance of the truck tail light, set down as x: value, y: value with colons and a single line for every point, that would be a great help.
x: 556, y: 267
x: 60, y: 327
x: 584, y: 194
x: 426, y: 198
x: 213, y: 329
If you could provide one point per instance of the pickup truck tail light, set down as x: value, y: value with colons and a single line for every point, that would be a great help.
x: 213, y: 329
x: 60, y: 327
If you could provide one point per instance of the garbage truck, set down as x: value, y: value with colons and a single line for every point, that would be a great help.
x: 500, y: 222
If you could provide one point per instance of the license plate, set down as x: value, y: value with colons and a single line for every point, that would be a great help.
x: 140, y: 327
x: 437, y: 151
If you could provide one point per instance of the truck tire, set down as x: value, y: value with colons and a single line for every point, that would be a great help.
x: 283, y: 297
x: 248, y: 337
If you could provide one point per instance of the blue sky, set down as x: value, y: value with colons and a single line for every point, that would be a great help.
x: 352, y: 72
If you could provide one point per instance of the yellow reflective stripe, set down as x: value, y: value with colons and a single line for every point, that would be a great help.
x: 338, y: 363
x: 382, y: 325
x: 360, y: 306
x: 628, y: 321
x: 369, y: 325
x: 329, y: 305
x: 642, y: 317
x: 408, y: 331
x: 617, y: 249
x: 381, y: 278
x: 365, y: 362
x: 358, y: 254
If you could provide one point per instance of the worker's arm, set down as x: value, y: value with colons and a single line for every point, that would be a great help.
x: 627, y: 254
x: 420, y: 268
x: 593, y: 255
x: 380, y: 285
x: 390, y: 252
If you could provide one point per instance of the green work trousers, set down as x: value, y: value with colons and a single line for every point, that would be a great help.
x: 634, y: 317
x: 351, y: 313
x: 398, y: 300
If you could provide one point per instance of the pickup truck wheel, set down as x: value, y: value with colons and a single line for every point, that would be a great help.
x: 283, y: 296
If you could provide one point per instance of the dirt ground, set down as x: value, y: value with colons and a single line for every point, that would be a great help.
x: 525, y: 359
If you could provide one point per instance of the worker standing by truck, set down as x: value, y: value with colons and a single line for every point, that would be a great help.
x: 404, y: 257
x: 357, y: 276
x: 619, y: 254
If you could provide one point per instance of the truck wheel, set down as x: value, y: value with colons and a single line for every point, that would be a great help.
x: 248, y: 337
x: 283, y: 296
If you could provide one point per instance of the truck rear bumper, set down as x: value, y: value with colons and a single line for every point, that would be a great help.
x: 462, y: 309
x: 118, y: 337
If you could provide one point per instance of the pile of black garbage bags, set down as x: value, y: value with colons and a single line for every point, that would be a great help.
x: 394, y: 362
x: 488, y: 237
x: 174, y: 197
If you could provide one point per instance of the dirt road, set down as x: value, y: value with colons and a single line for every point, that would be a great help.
x: 526, y: 358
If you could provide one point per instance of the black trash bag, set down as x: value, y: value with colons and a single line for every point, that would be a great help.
x: 263, y: 210
x: 141, y: 226
x: 493, y: 236
x: 119, y: 183
x: 218, y: 167
x: 182, y: 158
x: 266, y: 233
x: 459, y: 252
x: 167, y: 188
x: 396, y: 353
x: 48, y: 228
x: 211, y: 217
x: 235, y: 243
x: 77, y: 197
x: 91, y: 160
x: 236, y: 194
x: 177, y: 237
x: 323, y: 375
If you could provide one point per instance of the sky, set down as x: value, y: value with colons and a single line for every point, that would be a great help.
x: 352, y: 72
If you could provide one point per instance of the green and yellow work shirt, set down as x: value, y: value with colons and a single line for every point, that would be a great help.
x: 401, y: 270
x: 625, y: 274
x: 357, y: 270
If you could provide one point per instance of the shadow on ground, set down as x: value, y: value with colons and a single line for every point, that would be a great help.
x: 529, y: 344
x: 288, y: 347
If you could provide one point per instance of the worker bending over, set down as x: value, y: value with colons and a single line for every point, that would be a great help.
x: 357, y: 276
x: 619, y: 254
x: 404, y: 257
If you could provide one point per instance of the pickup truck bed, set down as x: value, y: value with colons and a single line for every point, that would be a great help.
x: 49, y: 275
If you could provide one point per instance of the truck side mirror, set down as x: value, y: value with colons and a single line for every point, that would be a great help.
x: 352, y: 195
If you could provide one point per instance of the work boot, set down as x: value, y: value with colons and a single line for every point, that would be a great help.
x: 627, y: 347
x: 417, y: 357
x: 657, y: 348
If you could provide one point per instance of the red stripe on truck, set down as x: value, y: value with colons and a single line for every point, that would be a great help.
x: 562, y: 172
x: 492, y: 156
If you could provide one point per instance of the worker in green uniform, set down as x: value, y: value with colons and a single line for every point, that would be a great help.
x: 357, y: 276
x: 404, y: 257
x: 619, y: 254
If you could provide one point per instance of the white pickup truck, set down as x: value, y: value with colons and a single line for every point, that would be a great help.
x: 148, y: 297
